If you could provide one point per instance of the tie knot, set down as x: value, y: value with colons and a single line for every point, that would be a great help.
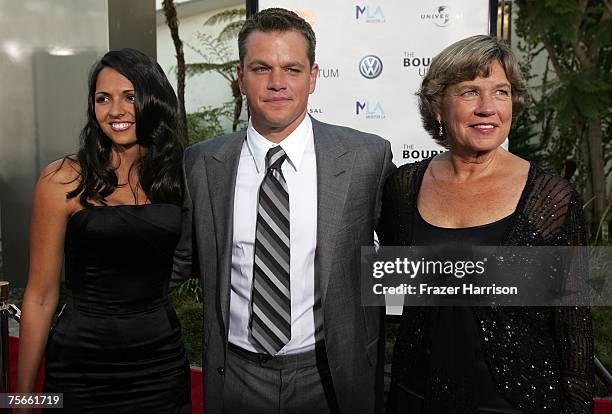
x: 275, y: 157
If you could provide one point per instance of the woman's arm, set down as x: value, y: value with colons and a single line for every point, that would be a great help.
x: 50, y: 213
x: 574, y: 332
x: 574, y: 338
x: 185, y: 255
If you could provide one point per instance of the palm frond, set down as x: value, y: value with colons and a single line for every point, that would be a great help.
x: 225, y: 16
x: 192, y: 69
x: 230, y: 32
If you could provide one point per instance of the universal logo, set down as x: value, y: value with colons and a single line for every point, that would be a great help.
x: 441, y: 16
x: 315, y: 111
x: 370, y: 66
x: 419, y: 63
x: 410, y: 153
x: 370, y: 14
x: 371, y: 110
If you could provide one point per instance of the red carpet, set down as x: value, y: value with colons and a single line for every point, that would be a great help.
x: 601, y: 406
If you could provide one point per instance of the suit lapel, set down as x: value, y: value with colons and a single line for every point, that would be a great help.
x: 334, y: 170
x: 222, y: 168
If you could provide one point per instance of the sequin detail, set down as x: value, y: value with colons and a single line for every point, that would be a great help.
x: 540, y: 358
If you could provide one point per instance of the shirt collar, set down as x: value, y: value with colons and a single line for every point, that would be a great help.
x: 294, y: 145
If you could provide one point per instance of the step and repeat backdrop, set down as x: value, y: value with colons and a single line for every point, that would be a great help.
x: 373, y: 56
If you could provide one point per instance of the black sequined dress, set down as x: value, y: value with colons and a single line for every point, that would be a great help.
x: 117, y: 346
x: 540, y: 359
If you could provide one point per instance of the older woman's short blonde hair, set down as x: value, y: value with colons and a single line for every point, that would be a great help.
x: 463, y: 61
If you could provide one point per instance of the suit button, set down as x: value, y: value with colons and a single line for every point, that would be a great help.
x: 221, y: 371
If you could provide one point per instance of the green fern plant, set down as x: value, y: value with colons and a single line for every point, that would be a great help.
x: 219, y: 57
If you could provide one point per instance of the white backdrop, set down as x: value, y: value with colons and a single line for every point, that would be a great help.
x: 403, y: 36
x: 376, y: 94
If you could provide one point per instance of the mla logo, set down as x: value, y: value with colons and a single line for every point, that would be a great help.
x: 369, y: 14
x: 440, y: 17
x: 371, y: 110
x: 370, y: 66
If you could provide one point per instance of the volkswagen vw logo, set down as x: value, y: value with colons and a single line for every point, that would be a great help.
x: 370, y: 66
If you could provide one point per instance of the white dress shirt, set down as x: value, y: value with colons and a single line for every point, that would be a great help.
x: 300, y: 172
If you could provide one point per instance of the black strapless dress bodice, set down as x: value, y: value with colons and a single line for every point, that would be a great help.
x: 117, y: 344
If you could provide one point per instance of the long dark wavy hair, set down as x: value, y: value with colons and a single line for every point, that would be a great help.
x: 159, y: 169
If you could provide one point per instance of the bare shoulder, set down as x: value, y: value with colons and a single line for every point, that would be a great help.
x: 55, y: 182
x: 515, y: 166
x: 521, y: 163
x: 61, y: 171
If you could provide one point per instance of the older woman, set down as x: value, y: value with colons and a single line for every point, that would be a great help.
x: 484, y: 360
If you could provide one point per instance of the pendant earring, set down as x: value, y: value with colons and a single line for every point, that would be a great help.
x: 440, y: 129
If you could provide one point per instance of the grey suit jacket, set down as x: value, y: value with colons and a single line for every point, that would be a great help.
x: 352, y: 167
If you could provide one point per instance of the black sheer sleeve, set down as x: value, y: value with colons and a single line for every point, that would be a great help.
x: 396, y: 212
x: 572, y: 326
x: 574, y: 332
x: 388, y: 210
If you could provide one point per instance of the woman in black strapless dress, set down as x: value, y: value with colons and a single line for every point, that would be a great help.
x: 112, y: 214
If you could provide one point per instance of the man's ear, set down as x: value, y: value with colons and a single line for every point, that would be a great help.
x: 314, y: 74
x: 239, y: 75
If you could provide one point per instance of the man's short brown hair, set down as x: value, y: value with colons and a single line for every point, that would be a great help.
x: 276, y: 20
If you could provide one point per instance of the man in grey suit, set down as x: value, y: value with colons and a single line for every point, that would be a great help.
x: 274, y: 219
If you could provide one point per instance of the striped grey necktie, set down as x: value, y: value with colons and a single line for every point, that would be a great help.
x: 271, y: 298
